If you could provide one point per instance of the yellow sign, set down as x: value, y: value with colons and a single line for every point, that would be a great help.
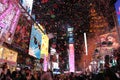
x: 10, y: 55
x: 44, y: 45
x: 1, y: 52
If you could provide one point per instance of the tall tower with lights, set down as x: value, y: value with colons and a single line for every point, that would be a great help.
x: 71, y: 48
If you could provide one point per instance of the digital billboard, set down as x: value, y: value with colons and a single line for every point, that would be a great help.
x: 1, y: 52
x: 9, y: 55
x: 35, y: 42
x: 27, y: 4
x: 44, y: 45
x: 70, y: 29
x: 71, y: 40
x: 22, y: 34
x: 9, y: 16
x: 117, y: 6
x: 71, y: 58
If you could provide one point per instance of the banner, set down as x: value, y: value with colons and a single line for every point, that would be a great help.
x: 44, y: 45
x: 117, y: 7
x: 9, y: 17
x: 35, y: 42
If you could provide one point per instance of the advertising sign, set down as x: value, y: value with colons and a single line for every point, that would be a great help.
x: 10, y: 55
x: 22, y: 34
x: 9, y: 16
x: 35, y: 43
x: 27, y: 4
x: 44, y: 45
x: 117, y: 6
x: 1, y: 51
x: 71, y: 58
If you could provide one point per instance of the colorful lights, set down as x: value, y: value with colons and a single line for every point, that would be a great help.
x: 8, y: 20
x: 117, y: 6
x: 45, y: 63
x: 85, y: 40
x: 16, y: 18
x: 44, y: 45
x: 35, y: 43
x: 71, y: 58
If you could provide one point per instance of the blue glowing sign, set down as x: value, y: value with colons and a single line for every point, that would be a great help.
x: 117, y: 6
x: 35, y: 43
x: 71, y: 40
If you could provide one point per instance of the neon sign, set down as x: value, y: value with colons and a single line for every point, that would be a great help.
x: 117, y: 6
x: 71, y: 58
x: 9, y: 17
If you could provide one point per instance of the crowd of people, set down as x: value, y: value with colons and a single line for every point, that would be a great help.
x: 106, y: 73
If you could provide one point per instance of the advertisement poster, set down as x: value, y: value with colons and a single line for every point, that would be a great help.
x: 44, y: 45
x: 9, y: 17
x: 27, y: 4
x: 10, y: 55
x: 35, y: 42
x: 117, y: 7
x: 1, y: 51
x: 22, y: 34
x: 106, y: 45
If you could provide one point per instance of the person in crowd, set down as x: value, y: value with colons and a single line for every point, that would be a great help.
x: 36, y: 75
x: 4, y: 72
x: 116, y: 69
x: 8, y: 75
x: 46, y: 76
x: 3, y: 75
x: 109, y: 74
x: 107, y: 62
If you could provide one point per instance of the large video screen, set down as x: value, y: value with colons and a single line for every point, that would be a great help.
x: 71, y: 40
x: 22, y: 34
x: 8, y: 55
x: 70, y: 29
x: 44, y: 45
x: 117, y: 6
x: 9, y: 16
x: 35, y: 43
x: 71, y: 58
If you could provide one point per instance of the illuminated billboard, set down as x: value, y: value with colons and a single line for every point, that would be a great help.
x: 10, y: 55
x: 27, y: 4
x: 117, y: 6
x: 71, y: 40
x: 1, y: 52
x: 44, y: 45
x: 22, y: 35
x: 9, y: 17
x: 71, y: 58
x: 70, y: 29
x: 35, y: 42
